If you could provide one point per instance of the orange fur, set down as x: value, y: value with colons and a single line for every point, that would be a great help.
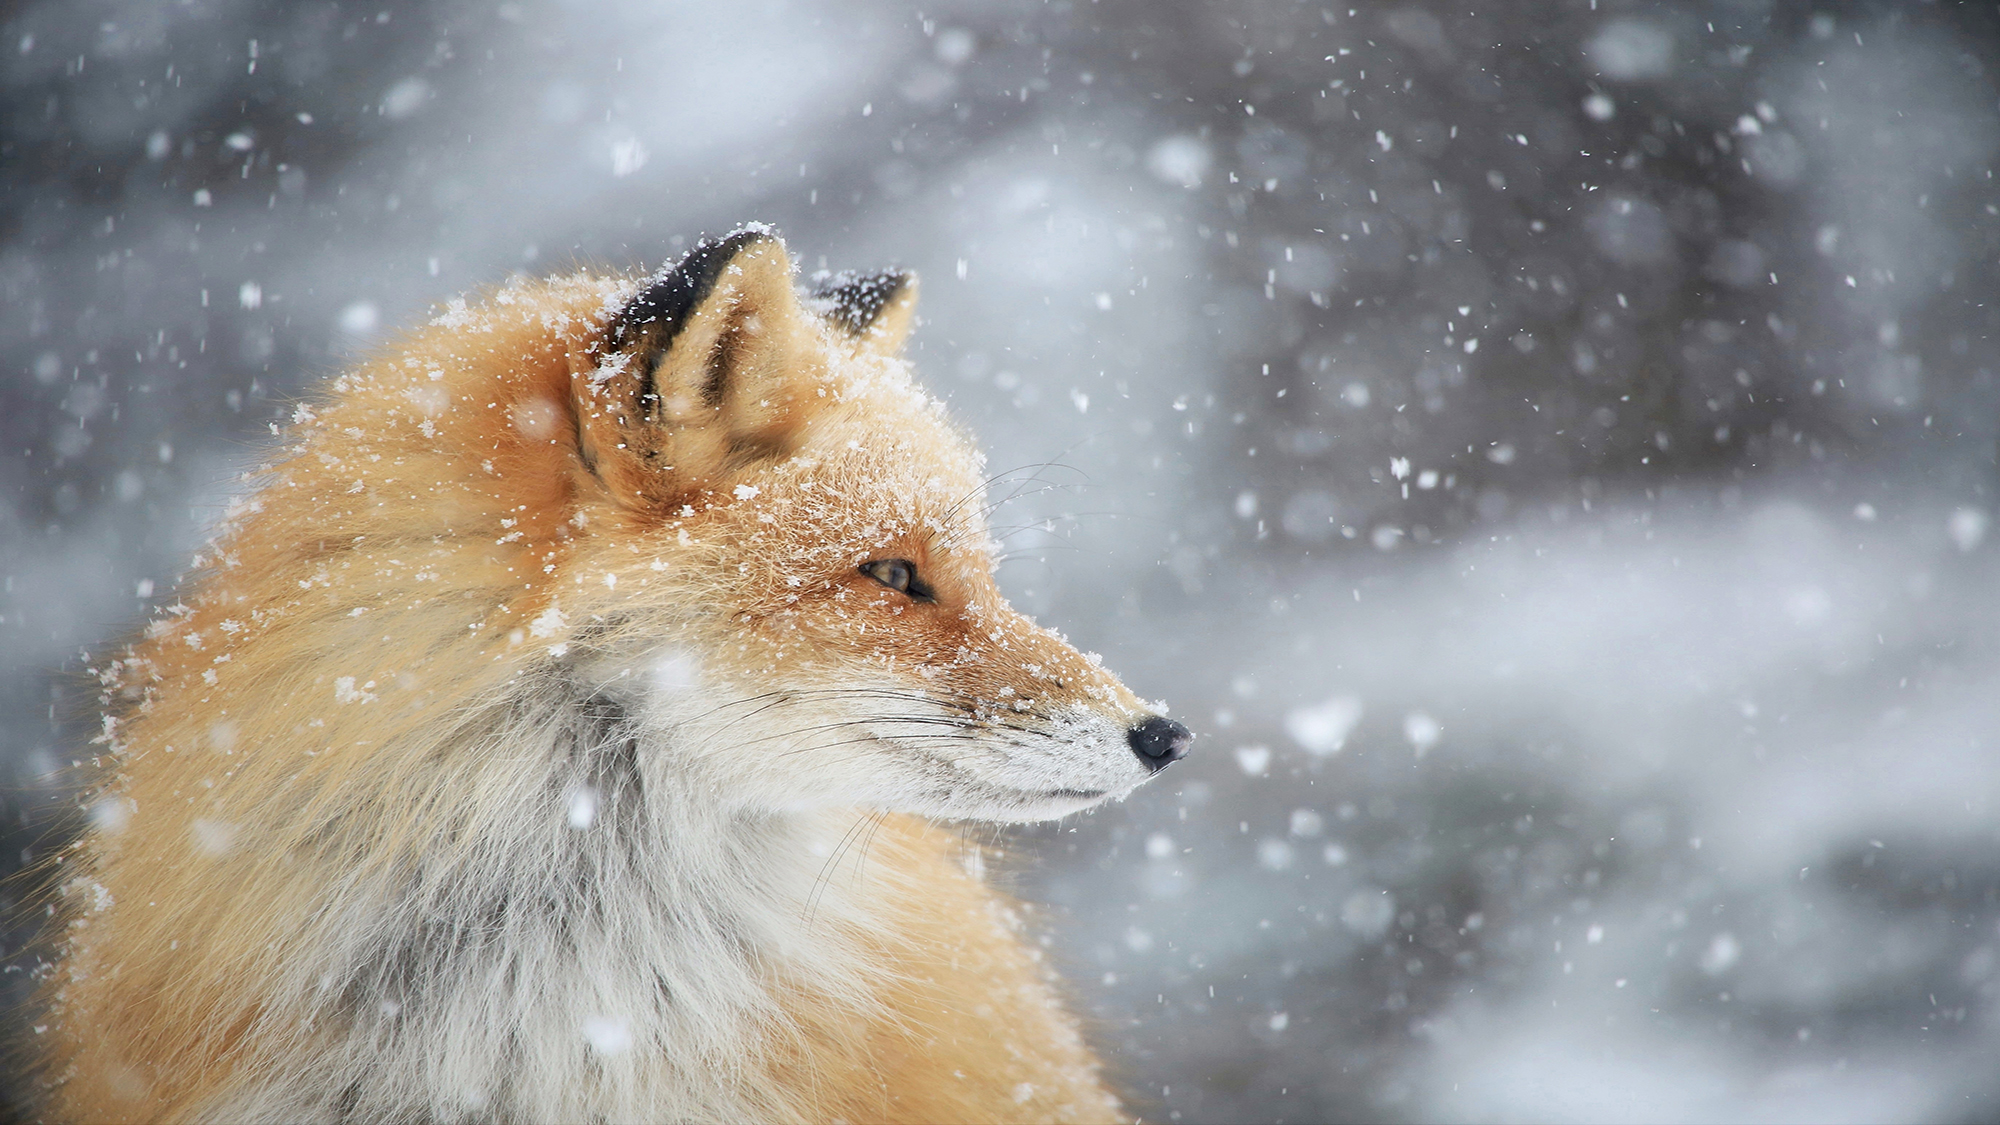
x: 319, y: 735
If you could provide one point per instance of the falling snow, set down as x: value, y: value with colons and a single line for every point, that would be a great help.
x: 1545, y: 451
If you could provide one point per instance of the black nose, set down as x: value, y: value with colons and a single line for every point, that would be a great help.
x: 1159, y: 742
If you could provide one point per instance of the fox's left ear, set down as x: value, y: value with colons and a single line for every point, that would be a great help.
x: 875, y: 310
x: 712, y: 367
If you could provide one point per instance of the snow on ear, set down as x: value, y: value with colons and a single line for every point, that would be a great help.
x: 712, y: 367
x: 873, y: 309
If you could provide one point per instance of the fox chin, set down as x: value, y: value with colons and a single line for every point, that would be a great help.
x: 495, y: 760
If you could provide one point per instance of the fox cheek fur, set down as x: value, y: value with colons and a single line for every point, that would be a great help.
x: 493, y: 761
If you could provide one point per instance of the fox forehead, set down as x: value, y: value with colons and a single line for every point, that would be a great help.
x: 877, y: 472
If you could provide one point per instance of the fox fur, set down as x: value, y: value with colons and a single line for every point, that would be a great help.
x: 499, y: 760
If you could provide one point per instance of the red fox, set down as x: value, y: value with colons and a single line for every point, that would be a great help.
x: 494, y: 764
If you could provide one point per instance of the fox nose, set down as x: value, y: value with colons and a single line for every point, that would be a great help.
x: 1159, y: 742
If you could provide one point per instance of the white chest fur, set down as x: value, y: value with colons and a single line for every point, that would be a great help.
x: 593, y: 939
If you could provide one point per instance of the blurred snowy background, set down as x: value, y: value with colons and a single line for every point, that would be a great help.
x: 1546, y: 447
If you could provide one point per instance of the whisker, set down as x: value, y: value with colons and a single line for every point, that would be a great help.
x: 822, y: 747
x: 817, y: 890
x: 868, y: 841
x: 782, y: 694
x: 919, y: 720
x: 989, y: 482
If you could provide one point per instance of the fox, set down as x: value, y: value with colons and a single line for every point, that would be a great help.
x: 495, y: 759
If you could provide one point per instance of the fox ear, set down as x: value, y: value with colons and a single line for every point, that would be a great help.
x: 713, y: 366
x: 873, y: 309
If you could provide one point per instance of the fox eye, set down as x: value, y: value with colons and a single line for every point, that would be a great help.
x: 899, y: 575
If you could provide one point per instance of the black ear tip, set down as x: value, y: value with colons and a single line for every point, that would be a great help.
x: 665, y: 300
x: 853, y: 301
x: 727, y: 246
x: 751, y: 231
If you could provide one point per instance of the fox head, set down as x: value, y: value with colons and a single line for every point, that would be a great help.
x: 784, y: 565
x: 775, y: 560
